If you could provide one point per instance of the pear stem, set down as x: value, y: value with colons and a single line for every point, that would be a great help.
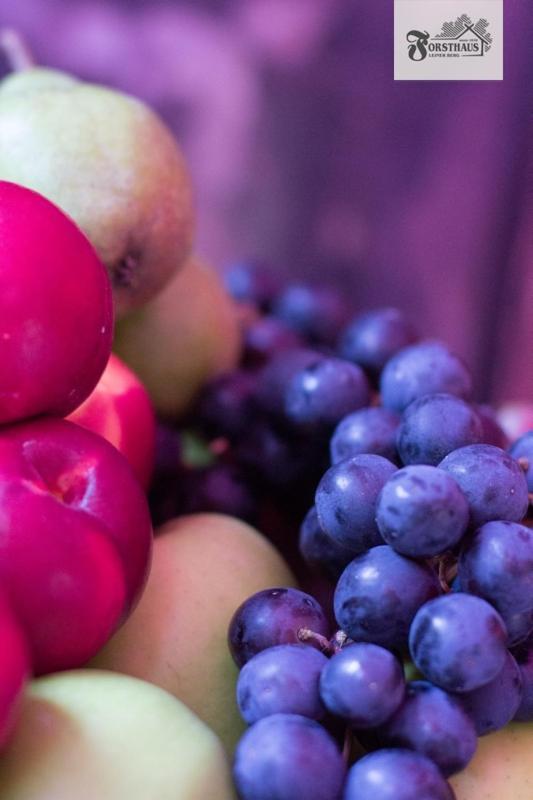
x: 16, y: 50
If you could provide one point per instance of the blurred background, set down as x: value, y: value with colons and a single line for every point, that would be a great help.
x: 306, y: 154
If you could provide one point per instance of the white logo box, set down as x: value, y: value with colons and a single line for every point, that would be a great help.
x: 448, y: 40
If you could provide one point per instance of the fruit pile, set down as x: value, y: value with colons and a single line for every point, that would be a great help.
x: 411, y: 634
x: 419, y: 525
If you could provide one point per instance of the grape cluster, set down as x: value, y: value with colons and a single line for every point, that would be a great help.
x: 419, y: 525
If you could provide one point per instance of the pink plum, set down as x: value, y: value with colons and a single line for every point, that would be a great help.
x: 14, y: 670
x: 120, y: 410
x: 75, y: 539
x: 56, y: 312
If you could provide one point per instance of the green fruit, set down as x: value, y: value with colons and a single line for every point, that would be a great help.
x: 184, y: 337
x: 501, y: 768
x: 108, y: 161
x: 94, y: 735
x: 204, y: 566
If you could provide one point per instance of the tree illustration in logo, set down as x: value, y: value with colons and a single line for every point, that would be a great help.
x: 464, y: 24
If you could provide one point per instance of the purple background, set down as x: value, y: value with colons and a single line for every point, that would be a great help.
x: 305, y: 152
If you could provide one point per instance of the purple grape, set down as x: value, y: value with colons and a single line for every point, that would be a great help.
x: 434, y: 425
x: 371, y: 339
x: 493, y: 482
x: 421, y: 511
x: 495, y: 704
x: 379, y: 593
x: 458, y: 642
x: 319, y: 551
x: 316, y: 312
x: 433, y: 723
x: 252, y: 282
x: 222, y: 488
x: 281, y: 680
x: 369, y: 430
x: 272, y: 617
x: 346, y: 500
x: 362, y: 683
x: 278, y: 458
x: 288, y: 757
x: 497, y: 564
x: 425, y: 368
x: 267, y: 337
x: 523, y: 448
x: 396, y: 775
x: 321, y: 394
x: 524, y: 658
x: 273, y: 380
x: 493, y: 432
x: 226, y: 404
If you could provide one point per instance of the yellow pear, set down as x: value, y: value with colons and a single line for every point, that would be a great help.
x: 204, y: 566
x: 501, y: 768
x: 110, y: 163
x: 186, y: 335
x: 93, y: 735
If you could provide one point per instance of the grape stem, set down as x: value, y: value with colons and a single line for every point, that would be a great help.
x: 328, y: 646
x: 16, y: 50
x: 347, y: 746
x: 523, y: 462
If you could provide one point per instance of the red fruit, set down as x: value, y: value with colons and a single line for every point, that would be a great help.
x: 120, y: 410
x: 56, y: 313
x: 14, y: 670
x: 75, y: 539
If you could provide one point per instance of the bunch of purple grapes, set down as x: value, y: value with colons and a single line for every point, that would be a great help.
x: 419, y: 525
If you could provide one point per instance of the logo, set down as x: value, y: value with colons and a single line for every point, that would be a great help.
x: 459, y: 39
x: 448, y: 40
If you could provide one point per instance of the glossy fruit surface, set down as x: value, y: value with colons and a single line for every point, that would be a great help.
x: 14, y: 671
x: 75, y: 539
x: 56, y: 316
x: 120, y: 410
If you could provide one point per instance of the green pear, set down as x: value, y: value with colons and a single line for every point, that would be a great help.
x: 184, y: 337
x: 110, y: 163
x: 204, y: 566
x: 501, y: 768
x: 94, y: 735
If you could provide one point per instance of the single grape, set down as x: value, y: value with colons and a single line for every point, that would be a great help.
x: 274, y: 378
x: 493, y: 432
x: 279, y: 458
x: 458, y: 642
x: 321, y: 394
x: 524, y: 659
x: 374, y: 337
x: 272, y: 617
x: 492, y: 481
x: 523, y: 449
x: 281, y: 680
x: 396, y: 775
x: 428, y: 367
x: 316, y: 312
x: 497, y: 564
x: 346, y: 500
x: 379, y: 593
x: 221, y: 488
x: 362, y: 683
x: 266, y: 337
x: 433, y: 723
x: 226, y: 404
x: 421, y: 511
x: 252, y: 282
x: 369, y: 430
x: 288, y: 757
x: 495, y: 704
x: 319, y: 551
x: 434, y: 425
